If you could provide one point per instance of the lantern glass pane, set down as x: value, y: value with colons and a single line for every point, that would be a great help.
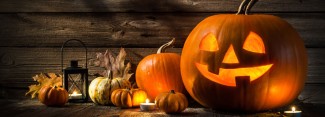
x: 76, y: 85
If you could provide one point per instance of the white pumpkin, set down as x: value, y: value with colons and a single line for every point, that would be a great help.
x: 117, y: 77
x: 101, y: 88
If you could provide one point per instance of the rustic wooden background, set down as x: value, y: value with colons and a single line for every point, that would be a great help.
x: 32, y: 32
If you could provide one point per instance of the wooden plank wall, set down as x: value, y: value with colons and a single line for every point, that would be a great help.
x: 32, y: 32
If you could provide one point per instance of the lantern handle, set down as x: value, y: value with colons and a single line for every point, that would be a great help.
x: 64, y: 46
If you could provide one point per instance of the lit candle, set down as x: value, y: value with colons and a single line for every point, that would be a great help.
x: 147, y: 106
x: 75, y: 95
x: 293, y: 113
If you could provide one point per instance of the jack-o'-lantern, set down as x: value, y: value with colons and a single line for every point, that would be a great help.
x: 240, y: 62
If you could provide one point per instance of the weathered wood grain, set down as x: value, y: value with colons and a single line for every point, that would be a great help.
x: 35, y: 108
x: 18, y: 65
x: 136, y: 30
x: 313, y: 93
x: 157, y: 6
x: 32, y: 31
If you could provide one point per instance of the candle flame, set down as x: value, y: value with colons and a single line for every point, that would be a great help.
x: 147, y: 100
x: 74, y: 92
x: 293, y: 109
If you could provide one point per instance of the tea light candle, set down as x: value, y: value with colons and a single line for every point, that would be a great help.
x: 147, y: 106
x: 75, y: 95
x: 293, y: 113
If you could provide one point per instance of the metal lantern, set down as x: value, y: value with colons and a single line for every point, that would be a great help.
x: 75, y: 78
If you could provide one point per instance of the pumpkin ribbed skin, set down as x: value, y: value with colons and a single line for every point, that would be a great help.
x: 53, y: 96
x: 122, y: 98
x: 158, y: 73
x: 126, y: 98
x: 171, y: 102
x: 100, y: 89
x: 138, y: 96
x: 279, y: 86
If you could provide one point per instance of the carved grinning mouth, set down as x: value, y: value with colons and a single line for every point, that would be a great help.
x: 227, y: 76
x: 253, y: 43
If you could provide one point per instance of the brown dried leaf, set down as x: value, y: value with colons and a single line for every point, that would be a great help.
x: 112, y: 63
x: 47, y: 79
x: 126, y: 73
x: 120, y: 59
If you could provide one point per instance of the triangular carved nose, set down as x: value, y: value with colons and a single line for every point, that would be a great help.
x: 230, y: 56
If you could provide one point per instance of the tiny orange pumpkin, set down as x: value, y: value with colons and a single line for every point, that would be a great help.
x: 171, y: 102
x: 53, y: 96
x: 127, y: 98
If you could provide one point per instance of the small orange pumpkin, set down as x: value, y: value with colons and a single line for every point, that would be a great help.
x: 171, y: 102
x: 53, y: 96
x: 127, y: 98
x: 160, y: 72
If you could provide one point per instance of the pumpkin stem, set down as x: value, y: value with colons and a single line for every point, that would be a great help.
x: 249, y: 6
x: 127, y: 88
x: 242, y: 7
x: 110, y: 74
x: 166, y: 45
x: 246, y: 6
x: 172, y: 91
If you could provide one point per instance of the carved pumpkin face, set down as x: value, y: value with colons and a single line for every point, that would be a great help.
x: 252, y: 43
x: 222, y: 50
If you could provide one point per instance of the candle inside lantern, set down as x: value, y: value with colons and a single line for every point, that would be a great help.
x: 75, y: 95
x: 147, y: 106
x: 293, y: 113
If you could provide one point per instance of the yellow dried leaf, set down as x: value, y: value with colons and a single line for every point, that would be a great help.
x: 47, y: 79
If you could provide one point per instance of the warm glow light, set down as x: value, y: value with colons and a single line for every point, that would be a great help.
x: 253, y: 72
x: 209, y: 43
x: 147, y: 100
x: 74, y: 92
x: 230, y: 56
x: 227, y: 76
x: 293, y: 112
x: 254, y: 43
x: 293, y: 109
x: 138, y: 98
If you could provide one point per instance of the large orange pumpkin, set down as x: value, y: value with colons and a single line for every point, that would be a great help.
x: 244, y: 62
x: 160, y: 72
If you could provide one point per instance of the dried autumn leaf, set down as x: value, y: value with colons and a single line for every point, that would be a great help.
x: 126, y: 73
x: 112, y: 63
x: 47, y: 79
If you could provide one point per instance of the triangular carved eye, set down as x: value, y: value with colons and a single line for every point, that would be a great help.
x: 209, y: 43
x: 254, y: 43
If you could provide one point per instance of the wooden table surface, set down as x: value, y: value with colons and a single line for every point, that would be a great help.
x: 33, y: 108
